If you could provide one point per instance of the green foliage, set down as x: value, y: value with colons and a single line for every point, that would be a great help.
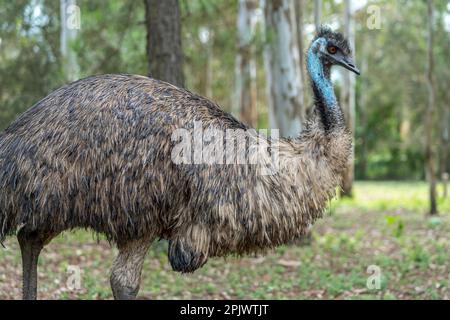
x: 392, y: 101
x: 29, y: 65
x: 112, y: 38
x: 393, y: 196
x: 396, y: 224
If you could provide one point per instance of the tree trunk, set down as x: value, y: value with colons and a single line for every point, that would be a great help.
x: 429, y: 124
x: 282, y: 66
x: 164, y: 51
x: 317, y: 13
x: 348, y: 98
x: 362, y: 102
x: 245, y: 63
x: 70, y: 23
x: 445, y: 142
x: 445, y: 184
x: 299, y: 7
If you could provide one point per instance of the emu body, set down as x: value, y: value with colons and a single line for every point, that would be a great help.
x: 96, y: 154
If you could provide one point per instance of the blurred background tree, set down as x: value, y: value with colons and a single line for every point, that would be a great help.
x: 282, y: 67
x: 245, y: 91
x: 391, y: 97
x: 164, y: 51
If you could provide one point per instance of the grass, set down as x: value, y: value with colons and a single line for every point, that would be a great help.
x: 384, y: 228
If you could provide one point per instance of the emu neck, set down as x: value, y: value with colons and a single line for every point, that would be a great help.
x: 325, y: 99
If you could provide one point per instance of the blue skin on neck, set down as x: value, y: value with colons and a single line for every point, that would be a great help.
x: 317, y: 74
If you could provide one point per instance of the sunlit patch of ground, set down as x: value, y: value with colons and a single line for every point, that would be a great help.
x: 384, y: 228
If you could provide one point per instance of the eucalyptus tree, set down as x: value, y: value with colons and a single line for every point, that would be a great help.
x: 164, y: 50
x: 245, y: 63
x: 282, y: 67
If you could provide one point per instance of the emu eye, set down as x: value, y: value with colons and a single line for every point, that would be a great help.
x: 332, y: 49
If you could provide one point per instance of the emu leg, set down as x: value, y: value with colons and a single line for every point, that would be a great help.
x: 31, y: 244
x: 127, y: 267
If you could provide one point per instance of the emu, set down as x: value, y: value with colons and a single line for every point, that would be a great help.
x: 97, y: 154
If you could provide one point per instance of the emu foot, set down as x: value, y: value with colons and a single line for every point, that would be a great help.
x: 184, y: 257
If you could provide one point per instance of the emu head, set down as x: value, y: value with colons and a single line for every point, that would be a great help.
x: 332, y: 49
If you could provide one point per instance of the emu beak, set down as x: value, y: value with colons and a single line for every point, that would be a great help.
x: 348, y: 63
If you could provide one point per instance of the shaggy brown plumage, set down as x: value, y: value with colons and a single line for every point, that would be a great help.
x: 97, y: 154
